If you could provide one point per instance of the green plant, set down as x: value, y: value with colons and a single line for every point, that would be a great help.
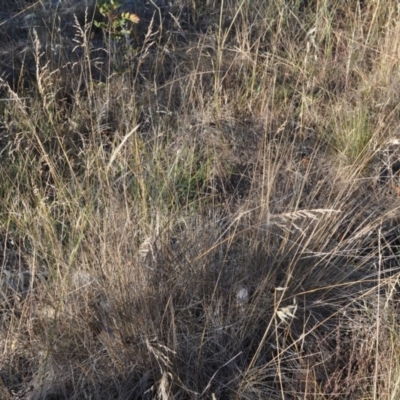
x: 352, y: 133
x: 116, y: 25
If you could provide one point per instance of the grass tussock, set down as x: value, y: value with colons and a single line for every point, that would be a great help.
x: 203, y: 208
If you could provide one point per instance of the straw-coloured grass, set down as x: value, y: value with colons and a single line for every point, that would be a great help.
x: 205, y: 208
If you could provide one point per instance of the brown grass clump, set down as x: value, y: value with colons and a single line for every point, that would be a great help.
x: 203, y: 208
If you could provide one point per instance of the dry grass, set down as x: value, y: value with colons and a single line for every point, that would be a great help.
x: 206, y: 209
